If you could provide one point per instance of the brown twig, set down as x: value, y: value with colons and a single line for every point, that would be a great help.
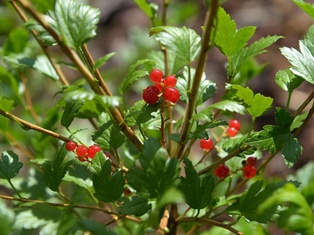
x: 29, y: 125
x: 209, y: 21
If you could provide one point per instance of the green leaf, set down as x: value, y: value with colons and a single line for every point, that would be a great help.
x: 283, y: 118
x: 182, y: 42
x: 16, y: 42
x: 237, y: 60
x: 197, y: 191
x: 137, y: 206
x: 102, y: 61
x: 295, y: 214
x: 9, y: 87
x: 9, y: 165
x: 7, y: 218
x: 149, y: 9
x: 256, y: 105
x: 44, y: 6
x: 98, y: 161
x: 227, y: 38
x: 134, y: 73
x: 108, y: 186
x: 206, y: 90
x: 302, y: 62
x: 55, y: 171
x: 6, y: 104
x: 287, y: 81
x: 249, y: 202
x: 43, y: 65
x: 71, y: 110
x: 109, y: 136
x: 157, y: 174
x: 76, y: 22
x: 274, y: 139
x: 306, y: 7
x: 229, y: 105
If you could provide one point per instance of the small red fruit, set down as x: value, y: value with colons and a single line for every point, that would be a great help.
x: 92, y: 150
x: 156, y: 75
x: 70, y: 145
x: 251, y: 161
x: 127, y: 192
x: 231, y: 131
x: 170, y: 81
x: 81, y: 151
x: 82, y: 159
x: 171, y: 94
x: 222, y: 171
x: 151, y: 94
x: 206, y: 144
x: 235, y: 124
x: 249, y: 171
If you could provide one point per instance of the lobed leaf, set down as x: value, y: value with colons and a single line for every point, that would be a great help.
x: 43, y: 66
x: 287, y: 81
x: 137, y: 206
x: 302, y: 62
x: 9, y: 165
x: 55, y: 171
x: 227, y: 38
x: 197, y: 191
x: 108, y: 186
x: 182, y: 42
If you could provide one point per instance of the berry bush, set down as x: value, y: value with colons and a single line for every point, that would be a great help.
x: 154, y: 148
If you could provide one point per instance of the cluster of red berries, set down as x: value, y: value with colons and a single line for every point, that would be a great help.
x: 233, y: 128
x: 248, y: 170
x: 83, y: 152
x: 163, y: 87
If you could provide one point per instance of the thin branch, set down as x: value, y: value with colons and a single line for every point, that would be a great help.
x: 209, y: 21
x: 29, y: 125
x: 211, y: 222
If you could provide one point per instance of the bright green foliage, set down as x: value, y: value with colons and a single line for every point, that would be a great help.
x: 6, y: 104
x: 295, y: 214
x: 44, y: 6
x: 183, y: 42
x: 75, y: 22
x: 197, y: 191
x: 7, y: 217
x: 108, y: 186
x: 17, y: 41
x: 286, y: 80
x: 71, y: 110
x: 43, y: 66
x: 55, y: 171
x: 9, y: 165
x: 249, y: 203
x: 306, y: 7
x: 134, y: 73
x: 102, y: 60
x: 256, y: 105
x: 229, y: 105
x: 302, y: 62
x: 226, y: 36
x: 150, y: 9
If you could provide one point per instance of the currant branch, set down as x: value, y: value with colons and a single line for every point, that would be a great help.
x: 209, y: 21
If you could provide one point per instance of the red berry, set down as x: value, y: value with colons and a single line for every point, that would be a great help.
x: 231, y: 131
x: 235, y: 124
x: 151, y: 94
x: 206, y: 144
x: 222, y: 171
x: 127, y: 192
x: 170, y: 81
x: 249, y: 171
x: 82, y: 159
x: 92, y: 150
x: 160, y: 87
x: 156, y: 75
x: 251, y: 161
x: 81, y: 151
x: 70, y: 145
x: 171, y: 94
